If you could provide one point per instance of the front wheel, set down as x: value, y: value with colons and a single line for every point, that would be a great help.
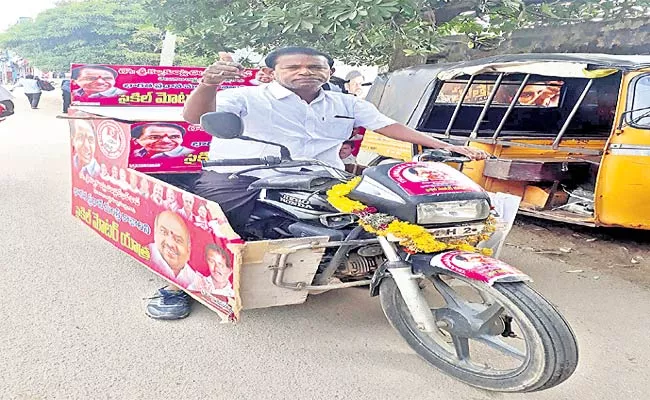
x: 505, y: 337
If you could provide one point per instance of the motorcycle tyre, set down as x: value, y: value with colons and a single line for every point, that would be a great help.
x: 558, y: 343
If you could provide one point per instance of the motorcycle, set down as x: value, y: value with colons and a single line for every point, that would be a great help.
x: 439, y: 302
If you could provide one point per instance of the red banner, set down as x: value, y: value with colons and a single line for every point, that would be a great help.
x: 137, y: 85
x: 181, y: 237
x: 421, y: 178
x: 156, y: 147
x: 168, y: 147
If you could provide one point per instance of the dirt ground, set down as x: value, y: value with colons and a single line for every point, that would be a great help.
x: 587, y: 252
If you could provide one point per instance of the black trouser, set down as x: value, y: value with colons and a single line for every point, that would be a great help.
x: 232, y: 195
x: 34, y: 98
x: 66, y: 101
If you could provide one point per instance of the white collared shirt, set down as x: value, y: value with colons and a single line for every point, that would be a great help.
x: 30, y: 86
x: 276, y: 114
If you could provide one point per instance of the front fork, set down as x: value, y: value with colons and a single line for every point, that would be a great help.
x: 408, y: 284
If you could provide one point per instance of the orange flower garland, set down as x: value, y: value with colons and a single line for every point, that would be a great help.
x: 414, y: 238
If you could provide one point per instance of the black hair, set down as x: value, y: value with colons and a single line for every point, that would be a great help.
x: 77, y: 71
x: 219, y: 250
x: 272, y: 58
x: 30, y: 76
x: 349, y: 143
x: 138, y: 130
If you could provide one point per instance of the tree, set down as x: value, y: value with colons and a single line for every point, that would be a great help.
x: 369, y: 31
x: 93, y: 31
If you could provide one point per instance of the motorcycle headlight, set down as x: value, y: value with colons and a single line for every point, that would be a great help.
x: 452, y: 211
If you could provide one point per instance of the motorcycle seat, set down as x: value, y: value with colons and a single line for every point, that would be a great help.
x: 314, y: 181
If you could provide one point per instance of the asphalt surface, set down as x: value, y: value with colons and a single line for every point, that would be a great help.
x: 73, y: 324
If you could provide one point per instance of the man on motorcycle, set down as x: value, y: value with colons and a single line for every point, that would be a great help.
x: 293, y: 111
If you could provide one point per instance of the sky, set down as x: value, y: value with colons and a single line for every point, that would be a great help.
x: 9, y: 14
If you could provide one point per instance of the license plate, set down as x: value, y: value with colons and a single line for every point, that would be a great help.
x: 455, y: 231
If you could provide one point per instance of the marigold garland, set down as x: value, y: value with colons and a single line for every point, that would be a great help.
x: 413, y: 237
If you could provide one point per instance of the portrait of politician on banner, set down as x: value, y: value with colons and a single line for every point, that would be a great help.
x: 95, y: 82
x: 158, y: 140
x: 84, y: 143
x: 98, y: 148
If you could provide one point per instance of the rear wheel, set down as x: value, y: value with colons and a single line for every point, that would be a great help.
x: 504, y: 337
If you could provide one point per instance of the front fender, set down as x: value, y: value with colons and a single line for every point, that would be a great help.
x: 468, y: 265
x: 464, y: 264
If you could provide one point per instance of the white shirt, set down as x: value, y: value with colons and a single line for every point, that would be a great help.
x: 208, y: 287
x: 29, y: 85
x: 276, y: 114
x: 349, y: 160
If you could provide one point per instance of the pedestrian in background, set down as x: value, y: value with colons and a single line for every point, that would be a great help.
x: 353, y: 82
x: 31, y: 88
x: 65, y: 94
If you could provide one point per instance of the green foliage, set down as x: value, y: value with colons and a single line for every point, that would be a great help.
x: 368, y: 31
x: 356, y: 31
x: 93, y: 31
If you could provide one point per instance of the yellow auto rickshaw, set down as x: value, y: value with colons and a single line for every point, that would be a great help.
x: 570, y: 132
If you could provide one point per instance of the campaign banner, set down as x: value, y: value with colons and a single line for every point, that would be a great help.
x: 167, y: 147
x: 138, y: 85
x: 181, y: 237
x: 426, y: 178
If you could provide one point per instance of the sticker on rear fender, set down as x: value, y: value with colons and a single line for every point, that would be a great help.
x: 478, y: 267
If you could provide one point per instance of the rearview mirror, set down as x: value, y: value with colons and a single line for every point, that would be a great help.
x: 223, y: 125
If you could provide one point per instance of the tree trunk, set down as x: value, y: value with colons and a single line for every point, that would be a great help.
x: 400, y: 60
x: 168, y: 49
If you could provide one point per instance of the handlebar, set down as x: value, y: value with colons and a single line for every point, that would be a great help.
x: 440, y: 155
x: 446, y: 156
x: 269, y: 162
x: 242, y: 162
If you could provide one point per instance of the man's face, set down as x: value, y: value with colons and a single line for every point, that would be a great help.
x: 263, y: 76
x: 188, y: 204
x: 83, y: 142
x: 219, y: 269
x: 345, y: 151
x: 172, y: 240
x: 540, y: 95
x: 157, y: 191
x: 203, y: 212
x: 302, y: 72
x: 159, y: 139
x: 171, y: 196
x: 354, y: 86
x: 95, y: 80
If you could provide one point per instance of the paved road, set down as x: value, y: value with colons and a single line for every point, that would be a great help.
x: 73, y: 324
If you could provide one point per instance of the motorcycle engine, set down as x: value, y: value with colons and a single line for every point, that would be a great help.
x: 360, y: 264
